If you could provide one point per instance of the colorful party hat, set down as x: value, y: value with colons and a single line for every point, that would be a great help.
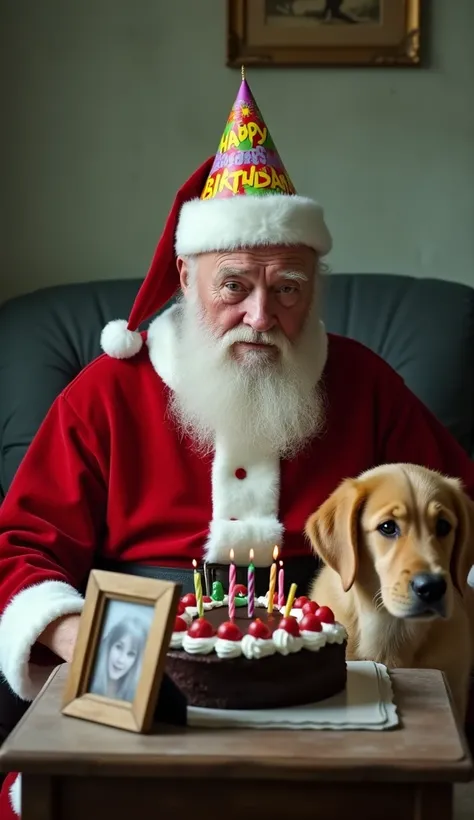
x: 247, y: 161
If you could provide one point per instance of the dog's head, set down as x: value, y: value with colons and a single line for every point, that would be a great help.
x: 403, y: 533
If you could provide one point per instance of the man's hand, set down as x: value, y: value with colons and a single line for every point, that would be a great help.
x: 60, y: 636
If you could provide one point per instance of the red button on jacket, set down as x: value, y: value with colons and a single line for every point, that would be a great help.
x: 241, y: 473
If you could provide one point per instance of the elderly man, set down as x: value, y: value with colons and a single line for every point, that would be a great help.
x: 225, y: 428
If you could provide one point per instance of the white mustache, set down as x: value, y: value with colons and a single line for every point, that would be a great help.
x: 250, y: 336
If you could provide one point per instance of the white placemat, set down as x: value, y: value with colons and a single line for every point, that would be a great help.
x: 366, y: 703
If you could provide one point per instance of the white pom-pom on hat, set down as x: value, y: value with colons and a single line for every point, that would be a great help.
x: 117, y: 341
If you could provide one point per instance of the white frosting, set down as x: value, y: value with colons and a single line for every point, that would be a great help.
x: 198, y: 646
x: 335, y: 633
x: 296, y: 613
x: 313, y: 640
x: 176, y: 641
x: 191, y: 611
x: 187, y: 618
x: 255, y: 648
x: 286, y: 643
x: 228, y: 649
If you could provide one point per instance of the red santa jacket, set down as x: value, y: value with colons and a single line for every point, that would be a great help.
x: 108, y: 472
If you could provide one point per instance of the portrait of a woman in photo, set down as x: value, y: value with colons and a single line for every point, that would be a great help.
x: 119, y: 659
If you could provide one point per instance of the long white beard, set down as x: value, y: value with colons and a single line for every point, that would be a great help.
x: 259, y: 403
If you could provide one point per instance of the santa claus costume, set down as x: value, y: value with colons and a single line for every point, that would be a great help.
x: 111, y: 473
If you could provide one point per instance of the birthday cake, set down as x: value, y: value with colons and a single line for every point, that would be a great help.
x: 271, y: 660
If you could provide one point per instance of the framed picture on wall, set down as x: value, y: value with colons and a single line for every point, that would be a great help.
x: 323, y: 32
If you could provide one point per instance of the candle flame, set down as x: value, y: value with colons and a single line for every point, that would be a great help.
x: 252, y: 555
x: 281, y: 563
x: 194, y: 563
x: 232, y: 555
x: 275, y: 552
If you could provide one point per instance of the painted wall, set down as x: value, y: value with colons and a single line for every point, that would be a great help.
x: 108, y: 105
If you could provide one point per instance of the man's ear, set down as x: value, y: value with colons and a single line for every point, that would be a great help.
x: 183, y: 271
x: 333, y: 530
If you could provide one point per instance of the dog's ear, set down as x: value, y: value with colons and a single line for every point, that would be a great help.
x: 462, y: 558
x: 333, y: 530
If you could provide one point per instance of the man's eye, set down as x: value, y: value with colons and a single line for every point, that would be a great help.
x: 233, y: 286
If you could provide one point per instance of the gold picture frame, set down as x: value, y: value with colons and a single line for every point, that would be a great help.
x: 120, y: 654
x: 306, y: 33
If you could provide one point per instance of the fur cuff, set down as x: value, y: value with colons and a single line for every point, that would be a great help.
x: 24, y: 619
x: 15, y: 795
x: 260, y: 534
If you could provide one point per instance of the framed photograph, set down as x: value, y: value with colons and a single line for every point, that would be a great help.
x: 323, y: 32
x: 120, y: 655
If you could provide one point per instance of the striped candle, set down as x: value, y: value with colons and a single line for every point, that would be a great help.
x: 198, y: 591
x: 232, y: 584
x: 281, y: 586
x: 251, y: 587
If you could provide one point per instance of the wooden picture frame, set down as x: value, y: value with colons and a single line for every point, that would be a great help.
x: 124, y: 635
x: 278, y: 33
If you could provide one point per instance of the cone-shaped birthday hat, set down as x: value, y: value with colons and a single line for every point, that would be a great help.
x: 243, y: 197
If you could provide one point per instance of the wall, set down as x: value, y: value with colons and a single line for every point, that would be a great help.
x: 108, y: 105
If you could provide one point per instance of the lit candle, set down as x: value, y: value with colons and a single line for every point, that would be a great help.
x: 291, y: 598
x: 281, y: 586
x: 198, y: 590
x: 273, y: 577
x: 251, y: 587
x: 232, y: 583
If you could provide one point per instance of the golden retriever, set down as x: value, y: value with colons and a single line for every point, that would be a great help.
x: 397, y: 544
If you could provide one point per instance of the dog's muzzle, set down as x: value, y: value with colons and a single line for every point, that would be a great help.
x: 429, y: 590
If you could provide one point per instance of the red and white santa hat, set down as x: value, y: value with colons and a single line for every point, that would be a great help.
x: 240, y: 198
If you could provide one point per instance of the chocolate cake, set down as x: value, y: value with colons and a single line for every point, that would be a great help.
x: 262, y: 663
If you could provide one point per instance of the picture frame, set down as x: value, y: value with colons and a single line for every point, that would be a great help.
x: 268, y: 33
x: 120, y: 654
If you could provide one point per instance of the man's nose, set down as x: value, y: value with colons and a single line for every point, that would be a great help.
x: 259, y: 314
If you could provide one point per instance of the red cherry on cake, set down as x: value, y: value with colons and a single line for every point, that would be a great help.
x: 290, y: 625
x: 229, y: 632
x: 200, y: 628
x: 310, y: 623
x: 180, y: 625
x: 259, y: 630
x: 310, y: 607
x: 189, y: 599
x: 206, y: 599
x: 299, y: 603
x: 240, y: 589
x: 325, y: 615
x: 181, y: 608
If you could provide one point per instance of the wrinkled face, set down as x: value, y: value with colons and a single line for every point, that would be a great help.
x: 409, y: 531
x: 122, y: 656
x: 266, y: 293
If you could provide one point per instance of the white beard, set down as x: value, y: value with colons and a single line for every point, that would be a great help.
x: 260, y: 403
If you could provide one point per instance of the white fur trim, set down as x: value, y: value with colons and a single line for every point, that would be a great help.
x: 118, y: 341
x: 261, y: 534
x: 238, y: 221
x: 23, y: 620
x: 470, y: 577
x: 252, y: 500
x: 15, y: 795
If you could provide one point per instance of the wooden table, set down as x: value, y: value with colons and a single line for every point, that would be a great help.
x: 73, y: 769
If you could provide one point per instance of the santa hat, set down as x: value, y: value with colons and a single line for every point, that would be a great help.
x: 242, y: 197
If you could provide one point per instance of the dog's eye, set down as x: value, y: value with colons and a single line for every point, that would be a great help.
x: 443, y: 528
x: 389, y: 528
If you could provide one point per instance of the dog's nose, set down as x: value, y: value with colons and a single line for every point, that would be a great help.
x: 428, y: 587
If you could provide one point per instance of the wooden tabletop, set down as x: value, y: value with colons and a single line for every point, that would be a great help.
x: 427, y: 747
